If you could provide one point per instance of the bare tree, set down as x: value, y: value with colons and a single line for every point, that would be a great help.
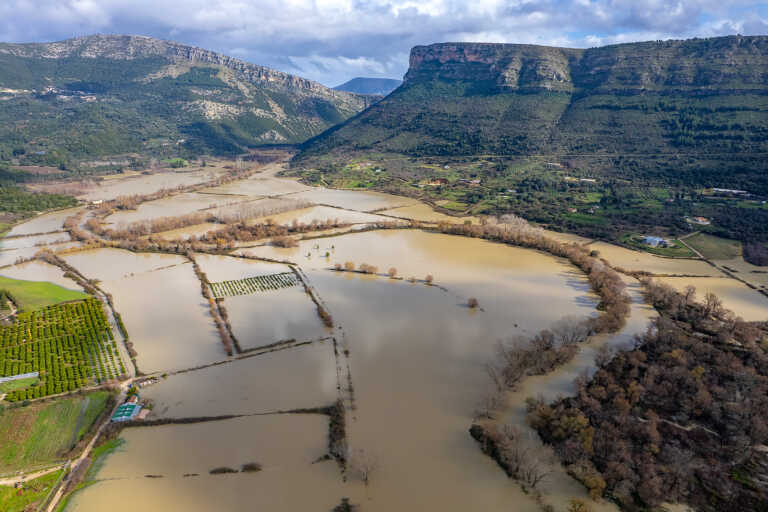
x: 392, y: 272
x: 526, y: 460
x: 362, y: 464
x: 571, y: 330
x: 472, y: 302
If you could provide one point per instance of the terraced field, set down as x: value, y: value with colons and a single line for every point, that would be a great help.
x: 251, y: 285
x: 70, y: 344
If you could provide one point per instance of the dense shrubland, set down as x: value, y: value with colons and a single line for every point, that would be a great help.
x: 681, y: 417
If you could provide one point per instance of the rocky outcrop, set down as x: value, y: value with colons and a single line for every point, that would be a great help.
x: 735, y: 62
x: 508, y: 66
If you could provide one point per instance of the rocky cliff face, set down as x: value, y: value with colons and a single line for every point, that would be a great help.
x: 508, y: 66
x: 735, y: 62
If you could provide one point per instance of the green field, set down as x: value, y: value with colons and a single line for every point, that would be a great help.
x: 33, y: 493
x: 33, y: 295
x: 70, y: 344
x: 678, y: 251
x: 7, y: 387
x: 41, y: 433
x: 715, y: 248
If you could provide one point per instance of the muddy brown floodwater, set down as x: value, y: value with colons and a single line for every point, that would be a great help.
x: 416, y: 355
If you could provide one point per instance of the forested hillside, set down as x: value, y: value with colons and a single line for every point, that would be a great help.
x: 79, y: 100
x: 635, y: 129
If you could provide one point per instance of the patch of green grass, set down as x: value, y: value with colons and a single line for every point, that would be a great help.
x: 33, y: 493
x: 34, y: 295
x: 96, y: 404
x: 583, y: 218
x: 455, y: 205
x: 7, y: 387
x: 41, y: 433
x: 678, y: 251
x: 591, y: 197
x: 713, y: 247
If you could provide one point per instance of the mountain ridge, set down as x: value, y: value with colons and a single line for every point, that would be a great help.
x: 211, y: 102
x: 679, y: 115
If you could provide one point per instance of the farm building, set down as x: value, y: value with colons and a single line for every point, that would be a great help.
x: 656, y: 241
x: 126, y: 412
x: 699, y: 220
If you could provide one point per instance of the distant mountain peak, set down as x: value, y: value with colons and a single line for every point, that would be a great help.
x: 371, y: 86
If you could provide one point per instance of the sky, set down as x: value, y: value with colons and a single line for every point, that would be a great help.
x: 332, y: 41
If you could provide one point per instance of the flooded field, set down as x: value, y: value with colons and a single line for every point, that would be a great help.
x: 10, y: 256
x: 284, y: 445
x: 747, y: 303
x: 277, y: 315
x: 33, y: 241
x: 414, y: 419
x: 264, y: 317
x: 757, y: 276
x: 158, y: 297
x: 173, y: 206
x: 425, y: 213
x: 190, y: 231
x: 323, y: 213
x: 43, y: 223
x: 261, y: 184
x: 354, y: 200
x: 415, y: 354
x: 468, y: 267
x: 282, y: 380
x: 147, y: 183
x: 638, y: 261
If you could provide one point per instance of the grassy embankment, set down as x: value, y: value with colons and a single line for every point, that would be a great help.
x: 33, y: 295
x: 41, y: 433
x: 33, y: 493
x: 715, y: 248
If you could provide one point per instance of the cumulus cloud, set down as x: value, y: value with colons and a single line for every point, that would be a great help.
x: 334, y: 40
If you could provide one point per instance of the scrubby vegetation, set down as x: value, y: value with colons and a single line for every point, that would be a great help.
x: 70, y: 344
x: 756, y: 254
x: 681, y: 417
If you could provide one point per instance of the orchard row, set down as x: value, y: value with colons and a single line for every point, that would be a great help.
x: 70, y: 344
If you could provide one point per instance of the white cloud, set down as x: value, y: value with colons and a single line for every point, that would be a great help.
x: 333, y: 40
